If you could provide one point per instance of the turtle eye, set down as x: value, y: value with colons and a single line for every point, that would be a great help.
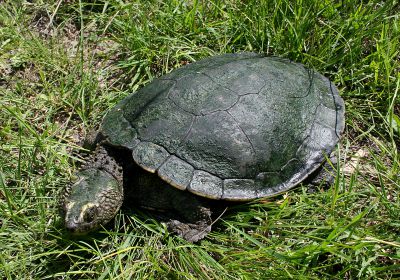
x: 90, y: 214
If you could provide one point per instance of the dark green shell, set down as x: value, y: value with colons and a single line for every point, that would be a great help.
x: 234, y: 126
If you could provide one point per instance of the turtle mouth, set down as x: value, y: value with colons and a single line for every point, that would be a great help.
x: 75, y: 228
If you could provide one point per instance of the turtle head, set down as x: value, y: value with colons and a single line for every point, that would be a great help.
x: 91, y: 201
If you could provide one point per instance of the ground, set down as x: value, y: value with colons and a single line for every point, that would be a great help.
x: 63, y: 64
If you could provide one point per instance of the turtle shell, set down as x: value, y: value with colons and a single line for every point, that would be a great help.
x: 233, y: 126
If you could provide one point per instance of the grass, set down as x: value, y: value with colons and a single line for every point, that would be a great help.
x: 63, y: 64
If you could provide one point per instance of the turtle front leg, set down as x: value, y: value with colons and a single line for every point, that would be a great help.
x: 186, y: 214
x: 197, y: 220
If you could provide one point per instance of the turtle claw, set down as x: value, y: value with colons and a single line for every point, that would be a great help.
x: 189, y: 232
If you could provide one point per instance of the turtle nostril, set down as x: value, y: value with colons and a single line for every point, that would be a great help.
x: 71, y: 226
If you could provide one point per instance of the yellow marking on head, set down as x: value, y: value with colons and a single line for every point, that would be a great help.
x: 78, y: 181
x: 70, y: 205
x: 83, y: 210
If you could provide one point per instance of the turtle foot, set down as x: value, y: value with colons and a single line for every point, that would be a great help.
x: 91, y: 140
x: 189, y: 232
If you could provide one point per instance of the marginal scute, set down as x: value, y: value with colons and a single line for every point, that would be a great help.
x: 327, y: 92
x: 176, y: 172
x: 309, y: 152
x: 118, y: 130
x: 269, y: 179
x: 266, y: 192
x: 293, y: 172
x: 326, y: 116
x: 149, y: 156
x: 323, y: 136
x: 317, y: 146
x: 240, y: 189
x: 205, y: 184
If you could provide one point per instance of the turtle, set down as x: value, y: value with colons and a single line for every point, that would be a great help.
x: 231, y: 127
